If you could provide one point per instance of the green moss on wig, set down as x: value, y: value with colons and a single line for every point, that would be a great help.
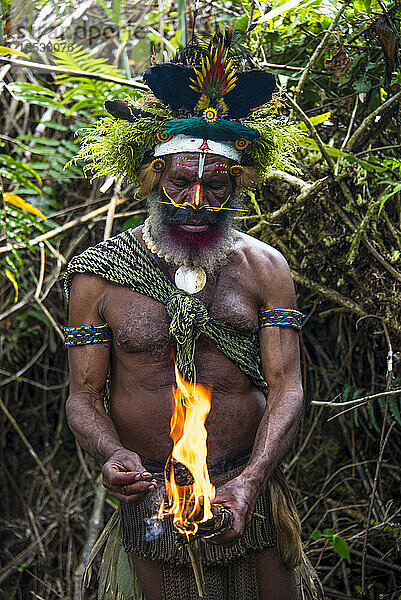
x: 277, y: 144
x: 118, y: 147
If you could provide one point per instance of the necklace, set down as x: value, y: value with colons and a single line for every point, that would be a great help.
x: 187, y: 278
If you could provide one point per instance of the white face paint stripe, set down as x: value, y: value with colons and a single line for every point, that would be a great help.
x: 202, y: 158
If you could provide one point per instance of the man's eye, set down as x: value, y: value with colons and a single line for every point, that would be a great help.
x: 215, y: 186
x: 180, y: 183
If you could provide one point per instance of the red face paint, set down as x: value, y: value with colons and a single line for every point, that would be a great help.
x: 204, y: 145
x: 183, y: 162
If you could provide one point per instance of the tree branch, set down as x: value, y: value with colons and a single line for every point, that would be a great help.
x: 75, y: 73
x: 319, y: 50
x: 53, y: 232
x: 369, y: 120
x: 95, y: 523
x: 308, y: 191
x: 312, y: 130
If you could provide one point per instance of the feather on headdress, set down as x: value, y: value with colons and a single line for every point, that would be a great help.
x: 212, y: 89
x: 209, y: 91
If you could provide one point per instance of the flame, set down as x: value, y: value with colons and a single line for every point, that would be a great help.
x: 189, y: 505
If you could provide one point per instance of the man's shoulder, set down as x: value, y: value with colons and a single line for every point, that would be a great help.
x: 261, y: 257
x: 268, y: 272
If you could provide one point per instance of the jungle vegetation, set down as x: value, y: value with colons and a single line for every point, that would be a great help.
x: 337, y: 220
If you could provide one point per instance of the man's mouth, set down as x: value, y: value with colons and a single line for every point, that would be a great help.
x: 194, y: 228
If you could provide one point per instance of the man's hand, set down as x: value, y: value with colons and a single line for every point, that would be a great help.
x: 240, y: 496
x: 125, y: 477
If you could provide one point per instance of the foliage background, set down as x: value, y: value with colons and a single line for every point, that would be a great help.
x: 337, y: 221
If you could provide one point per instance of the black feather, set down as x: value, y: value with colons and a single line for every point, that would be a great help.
x: 252, y: 89
x: 123, y: 110
x: 170, y: 83
x: 119, y: 109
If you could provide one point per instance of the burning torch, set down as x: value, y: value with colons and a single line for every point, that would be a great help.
x: 189, y: 490
x: 218, y: 524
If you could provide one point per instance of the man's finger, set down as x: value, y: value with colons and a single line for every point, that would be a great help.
x: 119, y: 477
x: 145, y: 475
x: 136, y: 487
x: 227, y: 539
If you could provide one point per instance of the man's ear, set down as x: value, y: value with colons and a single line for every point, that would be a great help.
x: 149, y: 180
x: 248, y: 179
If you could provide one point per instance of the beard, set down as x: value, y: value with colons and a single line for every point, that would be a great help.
x: 207, y: 249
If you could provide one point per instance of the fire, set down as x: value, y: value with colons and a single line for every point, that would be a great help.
x: 190, y: 504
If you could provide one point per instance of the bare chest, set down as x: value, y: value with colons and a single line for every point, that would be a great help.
x: 141, y: 324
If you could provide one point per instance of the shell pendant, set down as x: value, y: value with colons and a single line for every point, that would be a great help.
x: 190, y: 279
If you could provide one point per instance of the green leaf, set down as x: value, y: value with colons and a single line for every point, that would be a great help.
x: 13, y: 280
x: 124, y: 575
x: 54, y: 125
x: 341, y: 547
x: 315, y: 120
x: 40, y: 90
x: 279, y: 10
x: 13, y: 176
x: 308, y: 142
x: 4, y: 51
x: 346, y: 393
x: 362, y: 85
x: 316, y: 535
x: 132, y: 222
x: 387, y: 196
x: 39, y: 316
x: 328, y: 533
x: 41, y: 140
x: 369, y: 166
x: 17, y: 165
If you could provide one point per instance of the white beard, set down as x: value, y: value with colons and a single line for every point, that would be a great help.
x: 209, y: 256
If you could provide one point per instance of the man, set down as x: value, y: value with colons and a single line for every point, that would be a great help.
x: 228, y: 279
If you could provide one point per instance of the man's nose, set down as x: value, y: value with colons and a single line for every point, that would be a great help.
x: 195, y: 196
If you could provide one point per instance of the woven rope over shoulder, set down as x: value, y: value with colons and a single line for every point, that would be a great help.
x: 192, y: 310
x: 124, y: 261
x: 188, y: 319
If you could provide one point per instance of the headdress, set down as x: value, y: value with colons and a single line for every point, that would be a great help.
x: 209, y: 99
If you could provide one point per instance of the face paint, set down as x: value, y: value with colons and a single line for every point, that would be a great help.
x: 204, y: 146
x: 183, y: 162
x: 207, y: 249
x: 201, y: 165
x: 194, y: 206
x: 197, y: 195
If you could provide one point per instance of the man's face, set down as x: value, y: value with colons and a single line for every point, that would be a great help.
x: 183, y: 222
x: 183, y: 183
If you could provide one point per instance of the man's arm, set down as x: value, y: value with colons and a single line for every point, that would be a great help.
x: 279, y: 347
x: 280, y: 359
x: 123, y: 472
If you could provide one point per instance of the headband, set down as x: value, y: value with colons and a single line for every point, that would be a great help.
x: 186, y: 143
